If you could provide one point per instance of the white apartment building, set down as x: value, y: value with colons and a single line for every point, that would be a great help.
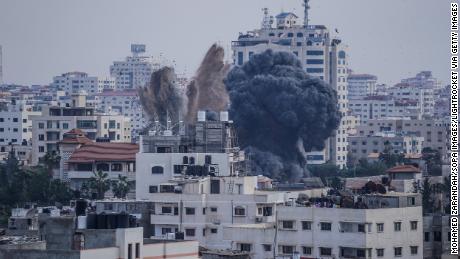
x: 16, y: 124
x: 135, y: 71
x: 382, y: 107
x: 361, y: 85
x: 106, y: 83
x: 435, y: 133
x: 391, y: 229
x: 321, y: 56
x: 74, y: 82
x: 49, y: 128
x: 363, y: 146
x: 424, y: 97
x: 424, y: 79
x: 126, y: 103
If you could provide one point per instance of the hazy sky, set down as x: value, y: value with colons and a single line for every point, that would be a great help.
x: 392, y: 39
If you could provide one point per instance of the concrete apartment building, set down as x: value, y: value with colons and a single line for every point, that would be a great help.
x: 424, y: 97
x: 82, y: 157
x: 126, y: 103
x: 74, y: 82
x: 391, y: 228
x: 381, y: 107
x: 49, y: 128
x: 135, y: 70
x: 321, y: 56
x: 361, y: 85
x: 435, y: 133
x: 363, y: 146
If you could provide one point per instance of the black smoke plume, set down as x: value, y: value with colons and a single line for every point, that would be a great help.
x: 207, y: 90
x: 281, y: 112
x: 161, y: 97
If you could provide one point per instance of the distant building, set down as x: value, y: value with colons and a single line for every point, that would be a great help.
x: 424, y: 97
x: 74, y: 82
x: 424, y: 79
x: 49, y: 128
x: 127, y: 103
x: 135, y: 70
x: 1, y: 65
x: 361, y: 85
x: 321, y: 55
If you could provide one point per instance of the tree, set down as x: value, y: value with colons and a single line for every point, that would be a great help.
x: 433, y: 161
x: 99, y: 184
x: 51, y: 160
x: 427, y: 196
x: 389, y: 157
x: 120, y: 187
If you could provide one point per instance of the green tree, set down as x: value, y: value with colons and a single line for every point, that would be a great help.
x: 99, y: 183
x: 432, y: 160
x: 427, y: 196
x: 121, y: 187
x: 51, y: 161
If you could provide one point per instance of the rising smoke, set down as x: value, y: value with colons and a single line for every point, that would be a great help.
x: 280, y: 112
x: 161, y: 98
x: 207, y: 90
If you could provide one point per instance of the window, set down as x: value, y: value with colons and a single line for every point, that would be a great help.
x: 413, y: 225
x: 240, y: 211
x: 41, y: 149
x: 245, y: 247
x: 24, y: 120
x: 267, y: 248
x: 315, y: 61
x: 165, y: 231
x: 379, y: 227
x: 189, y: 211
x: 361, y: 228
x: 41, y: 125
x: 166, y: 210
x: 437, y: 236
x: 306, y: 225
x: 287, y: 224
x: 315, y: 52
x: 213, y: 230
x: 427, y: 236
x: 315, y: 70
x: 213, y: 209
x: 138, y: 250
x: 287, y: 249
x: 130, y: 251
x: 306, y: 250
x: 153, y: 189
x: 414, y: 250
x: 190, y: 232
x: 398, y: 251
x: 380, y: 252
x: 240, y: 58
x: 2, y: 129
x: 397, y: 226
x: 326, y: 226
x: 15, y: 119
x: 117, y: 167
x: 41, y: 137
x: 325, y: 251
x: 157, y: 170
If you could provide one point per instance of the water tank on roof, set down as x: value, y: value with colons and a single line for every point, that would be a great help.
x: 80, y: 207
x: 102, y: 221
x: 91, y: 221
x: 82, y: 222
x: 122, y: 220
x: 111, y: 221
x: 201, y: 116
x: 223, y: 116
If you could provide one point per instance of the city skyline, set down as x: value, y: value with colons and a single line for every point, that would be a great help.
x: 33, y: 34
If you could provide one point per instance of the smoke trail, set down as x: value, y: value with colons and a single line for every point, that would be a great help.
x: 207, y: 90
x: 161, y: 97
x: 280, y: 110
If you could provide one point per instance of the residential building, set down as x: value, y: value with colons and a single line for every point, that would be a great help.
x: 135, y: 70
x: 361, y: 146
x: 126, y: 103
x: 74, y: 82
x: 82, y: 157
x: 361, y: 85
x: 424, y: 97
x: 424, y: 79
x: 436, y: 236
x: 16, y: 129
x: 435, y: 133
x: 337, y: 232
x: 1, y: 65
x: 49, y: 128
x: 321, y: 56
x: 106, y: 83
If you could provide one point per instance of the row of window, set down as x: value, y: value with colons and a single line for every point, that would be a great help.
x: 49, y: 125
x: 14, y: 130
x: 327, y: 226
x: 14, y: 120
x: 237, y: 210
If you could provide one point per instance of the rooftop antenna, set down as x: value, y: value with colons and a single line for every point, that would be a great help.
x: 268, y: 20
x: 306, y: 7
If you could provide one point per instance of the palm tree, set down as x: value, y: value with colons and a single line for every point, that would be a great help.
x: 120, y: 187
x: 51, y: 160
x: 99, y: 183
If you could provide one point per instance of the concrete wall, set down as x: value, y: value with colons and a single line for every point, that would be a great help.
x: 39, y: 254
x: 184, y: 250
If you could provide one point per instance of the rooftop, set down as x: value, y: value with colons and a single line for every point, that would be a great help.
x: 104, y: 151
x: 404, y: 169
